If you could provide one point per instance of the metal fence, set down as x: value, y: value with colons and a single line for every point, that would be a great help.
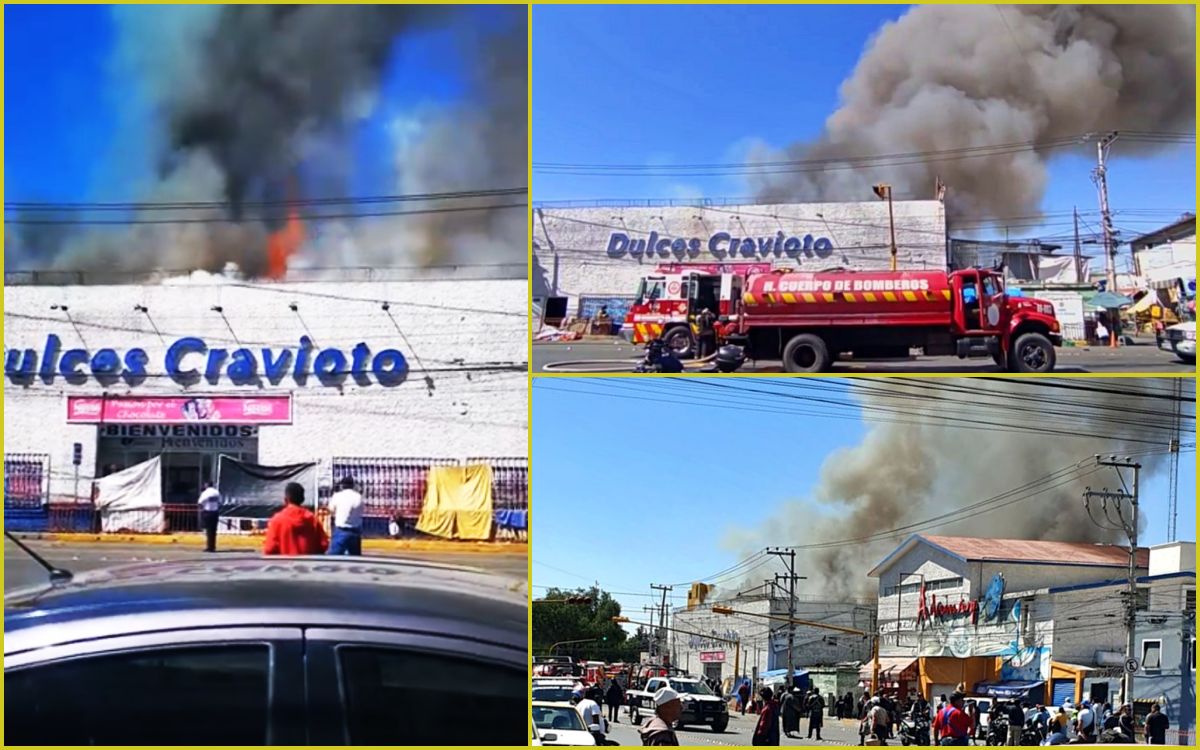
x: 26, y: 480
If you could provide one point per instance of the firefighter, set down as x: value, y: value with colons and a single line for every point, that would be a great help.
x: 706, y: 341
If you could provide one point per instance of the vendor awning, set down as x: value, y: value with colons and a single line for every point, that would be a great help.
x: 1008, y: 688
x: 891, y: 669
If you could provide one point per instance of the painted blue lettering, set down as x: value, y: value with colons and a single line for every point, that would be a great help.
x: 276, y: 368
x: 679, y: 248
x: 618, y: 244
x: 747, y: 248
x: 792, y: 247
x: 212, y: 373
x: 16, y: 365
x: 823, y: 247
x: 358, y: 367
x: 637, y: 248
x: 244, y: 368
x: 389, y: 367
x: 715, y: 244
x: 135, y: 363
x: 663, y: 248
x: 329, y: 362
x: 765, y: 245
x: 178, y: 351
x: 808, y: 240
x: 71, y: 361
x: 302, y: 357
x: 49, y: 355
x: 106, y: 362
x: 693, y: 247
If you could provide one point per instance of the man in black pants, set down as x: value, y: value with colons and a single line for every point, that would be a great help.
x: 210, y: 511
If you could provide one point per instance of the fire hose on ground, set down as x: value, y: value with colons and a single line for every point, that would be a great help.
x: 616, y: 365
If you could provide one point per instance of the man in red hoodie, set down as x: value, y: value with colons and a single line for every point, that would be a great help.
x: 294, y: 530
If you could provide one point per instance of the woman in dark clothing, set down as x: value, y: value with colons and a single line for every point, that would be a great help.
x: 789, y: 711
x: 767, y: 730
x: 816, y: 713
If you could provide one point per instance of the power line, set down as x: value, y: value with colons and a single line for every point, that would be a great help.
x: 301, y: 217
x: 211, y: 205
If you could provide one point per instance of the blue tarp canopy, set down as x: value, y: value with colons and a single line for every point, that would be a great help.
x: 772, y: 676
x: 1008, y: 688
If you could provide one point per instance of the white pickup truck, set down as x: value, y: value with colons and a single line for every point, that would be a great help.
x: 700, y: 705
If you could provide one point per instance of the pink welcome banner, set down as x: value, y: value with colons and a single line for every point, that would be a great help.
x: 180, y: 410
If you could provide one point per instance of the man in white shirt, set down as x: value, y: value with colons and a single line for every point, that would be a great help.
x: 209, y: 504
x: 346, y: 508
x: 591, y: 712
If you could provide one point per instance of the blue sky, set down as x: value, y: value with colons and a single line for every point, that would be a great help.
x: 621, y: 497
x: 688, y: 84
x: 62, y: 120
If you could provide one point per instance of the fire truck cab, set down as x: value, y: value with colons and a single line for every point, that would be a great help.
x: 668, y: 302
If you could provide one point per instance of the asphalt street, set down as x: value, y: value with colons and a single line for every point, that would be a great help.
x: 1143, y: 357
x: 740, y: 731
x: 21, y: 570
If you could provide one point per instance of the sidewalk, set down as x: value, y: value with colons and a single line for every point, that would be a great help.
x: 254, y: 542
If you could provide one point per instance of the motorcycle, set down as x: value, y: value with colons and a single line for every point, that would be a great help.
x: 659, y: 359
x: 997, y: 730
x: 914, y: 731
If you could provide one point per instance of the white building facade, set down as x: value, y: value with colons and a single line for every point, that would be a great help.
x: 381, y: 378
x: 597, y: 255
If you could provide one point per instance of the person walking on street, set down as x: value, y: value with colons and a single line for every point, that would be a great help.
x: 294, y: 530
x: 210, y: 512
x: 744, y: 696
x: 789, y: 712
x: 1156, y: 726
x: 707, y: 340
x: 1016, y: 723
x: 766, y: 732
x: 346, y: 509
x: 659, y: 730
x: 816, y: 714
x: 1085, y: 722
x: 615, y: 698
x: 952, y: 725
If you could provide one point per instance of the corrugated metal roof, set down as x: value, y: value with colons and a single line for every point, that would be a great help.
x: 1026, y: 550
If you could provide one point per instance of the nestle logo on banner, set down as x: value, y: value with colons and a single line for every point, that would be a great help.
x: 719, y: 245
x: 88, y: 409
x: 257, y: 408
x: 190, y: 359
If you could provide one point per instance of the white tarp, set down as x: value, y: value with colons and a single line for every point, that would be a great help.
x: 1061, y: 269
x: 131, y: 500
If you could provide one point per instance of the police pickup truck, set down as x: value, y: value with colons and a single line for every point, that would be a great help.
x: 700, y: 705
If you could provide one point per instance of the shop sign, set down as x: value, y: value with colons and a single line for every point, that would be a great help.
x: 708, y: 657
x: 720, y: 245
x: 930, y: 609
x: 189, y: 359
x: 715, y: 268
x: 171, y: 410
x: 181, y: 437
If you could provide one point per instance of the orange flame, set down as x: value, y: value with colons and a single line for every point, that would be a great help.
x: 282, y: 244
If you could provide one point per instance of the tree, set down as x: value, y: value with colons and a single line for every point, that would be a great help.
x: 559, y: 621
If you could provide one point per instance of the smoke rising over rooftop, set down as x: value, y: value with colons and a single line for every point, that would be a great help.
x: 257, y: 105
x: 948, y: 77
x: 902, y: 474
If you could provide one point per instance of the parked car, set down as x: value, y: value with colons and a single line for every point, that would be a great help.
x: 560, y: 724
x: 250, y: 651
x: 1180, y: 339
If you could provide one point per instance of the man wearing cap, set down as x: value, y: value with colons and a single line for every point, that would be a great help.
x: 667, y: 710
x: 346, y: 508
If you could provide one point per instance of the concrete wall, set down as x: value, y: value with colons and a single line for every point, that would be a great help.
x: 446, y: 327
x: 1172, y: 259
x: 594, y: 251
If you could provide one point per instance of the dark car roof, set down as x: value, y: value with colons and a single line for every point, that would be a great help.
x: 248, y: 590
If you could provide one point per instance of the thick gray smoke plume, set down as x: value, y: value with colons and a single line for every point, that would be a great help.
x: 256, y: 103
x: 904, y: 473
x: 949, y: 77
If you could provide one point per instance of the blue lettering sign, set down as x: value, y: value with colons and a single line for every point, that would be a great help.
x: 720, y: 245
x: 185, y: 357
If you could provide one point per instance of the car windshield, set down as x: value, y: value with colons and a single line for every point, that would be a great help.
x: 695, y: 688
x: 552, y: 694
x: 562, y: 718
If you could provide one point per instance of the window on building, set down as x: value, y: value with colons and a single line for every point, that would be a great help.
x: 1189, y: 600
x: 1143, y: 598
x: 1152, y: 654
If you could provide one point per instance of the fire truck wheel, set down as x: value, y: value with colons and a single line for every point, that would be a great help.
x: 998, y: 358
x: 1032, y: 352
x: 679, y: 340
x: 719, y: 725
x: 806, y: 353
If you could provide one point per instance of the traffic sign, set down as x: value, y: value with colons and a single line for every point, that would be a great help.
x: 77, y: 454
x: 1131, y: 665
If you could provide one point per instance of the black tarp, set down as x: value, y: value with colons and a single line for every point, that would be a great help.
x: 256, y: 491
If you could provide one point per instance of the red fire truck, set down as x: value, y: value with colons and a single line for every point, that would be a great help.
x: 808, y: 319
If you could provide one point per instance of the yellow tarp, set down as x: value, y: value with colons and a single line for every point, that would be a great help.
x: 458, y: 502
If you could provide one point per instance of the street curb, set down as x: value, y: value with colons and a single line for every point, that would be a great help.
x: 255, y: 542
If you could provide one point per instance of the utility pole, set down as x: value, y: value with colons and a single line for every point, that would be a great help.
x: 883, y: 190
x: 1100, y: 177
x: 1128, y: 525
x: 662, y: 614
x: 1078, y: 252
x: 652, y: 610
x: 789, y: 555
x: 1173, y: 490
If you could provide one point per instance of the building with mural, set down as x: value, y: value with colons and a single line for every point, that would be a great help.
x: 1036, y: 620
x: 585, y: 257
x: 379, y: 379
x: 757, y: 644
